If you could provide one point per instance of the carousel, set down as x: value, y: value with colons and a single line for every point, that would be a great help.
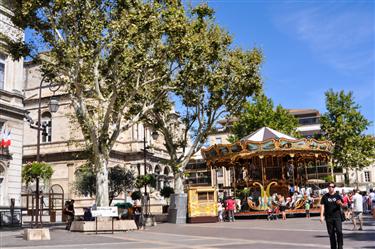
x: 268, y: 163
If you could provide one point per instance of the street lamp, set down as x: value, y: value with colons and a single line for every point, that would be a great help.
x: 146, y: 198
x: 53, y: 106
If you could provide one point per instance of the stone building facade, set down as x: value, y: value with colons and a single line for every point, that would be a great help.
x: 11, y: 113
x: 62, y: 146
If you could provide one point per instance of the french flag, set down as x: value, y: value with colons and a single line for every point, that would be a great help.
x: 5, y: 138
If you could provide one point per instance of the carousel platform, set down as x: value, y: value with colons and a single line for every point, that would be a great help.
x: 295, y: 212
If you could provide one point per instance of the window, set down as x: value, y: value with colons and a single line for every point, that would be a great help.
x: 219, y: 172
x: 47, y: 127
x: 2, y: 71
x: 367, y: 176
x: 218, y: 140
x: 157, y: 170
x: 205, y: 196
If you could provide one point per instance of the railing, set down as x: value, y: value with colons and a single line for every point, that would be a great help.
x: 10, y: 217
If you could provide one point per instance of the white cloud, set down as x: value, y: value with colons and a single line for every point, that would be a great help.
x: 342, y: 36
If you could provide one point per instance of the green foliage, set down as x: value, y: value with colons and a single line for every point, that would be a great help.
x: 243, y: 193
x: 85, y: 180
x: 120, y: 180
x: 36, y: 170
x: 136, y: 195
x: 120, y: 59
x: 344, y: 125
x: 166, y: 191
x: 145, y: 180
x: 214, y: 79
x: 260, y: 113
x: 124, y: 205
x: 328, y: 178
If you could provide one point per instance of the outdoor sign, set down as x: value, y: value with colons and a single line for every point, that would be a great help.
x: 105, y: 212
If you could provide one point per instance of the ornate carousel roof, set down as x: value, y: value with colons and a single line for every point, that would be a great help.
x: 265, y: 133
x: 265, y: 141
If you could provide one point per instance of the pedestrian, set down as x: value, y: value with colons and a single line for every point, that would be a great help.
x: 307, y: 207
x: 220, y: 211
x: 230, y: 205
x: 345, y: 201
x: 137, y: 217
x: 282, y: 206
x: 357, y: 209
x: 371, y: 198
x: 87, y: 215
x: 330, y: 210
x: 365, y: 202
x: 69, y: 211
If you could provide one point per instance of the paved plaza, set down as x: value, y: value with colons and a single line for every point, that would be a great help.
x: 293, y: 233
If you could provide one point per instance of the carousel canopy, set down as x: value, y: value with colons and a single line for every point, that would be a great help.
x: 265, y: 142
x: 265, y: 133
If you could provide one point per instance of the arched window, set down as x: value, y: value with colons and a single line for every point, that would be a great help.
x: 2, y: 172
x: 157, y: 170
x: 166, y: 171
x: 47, y: 127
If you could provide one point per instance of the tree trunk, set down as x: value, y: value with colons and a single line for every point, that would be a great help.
x: 102, y: 194
x: 178, y: 183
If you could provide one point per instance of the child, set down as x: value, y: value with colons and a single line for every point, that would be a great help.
x: 220, y: 211
x: 307, y: 208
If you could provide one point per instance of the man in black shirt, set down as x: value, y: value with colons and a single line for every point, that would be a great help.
x: 331, y: 204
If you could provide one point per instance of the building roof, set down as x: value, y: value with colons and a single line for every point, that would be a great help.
x: 266, y: 133
x: 303, y: 111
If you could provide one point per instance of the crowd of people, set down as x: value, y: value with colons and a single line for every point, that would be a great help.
x: 278, y: 204
x: 337, y: 208
x: 356, y: 204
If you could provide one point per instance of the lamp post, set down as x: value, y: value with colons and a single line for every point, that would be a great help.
x: 53, y: 107
x: 154, y: 136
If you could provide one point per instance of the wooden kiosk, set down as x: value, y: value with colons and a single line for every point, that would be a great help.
x: 202, y: 204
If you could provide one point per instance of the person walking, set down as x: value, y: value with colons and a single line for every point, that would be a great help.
x: 282, y: 206
x: 371, y: 199
x: 330, y: 210
x: 69, y: 211
x: 345, y: 201
x: 220, y: 211
x: 307, y: 207
x: 357, y: 209
x: 230, y: 205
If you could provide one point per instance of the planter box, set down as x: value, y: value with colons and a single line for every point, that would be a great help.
x: 103, y: 225
x: 36, y: 234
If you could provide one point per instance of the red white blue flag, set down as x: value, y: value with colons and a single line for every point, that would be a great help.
x: 5, y: 137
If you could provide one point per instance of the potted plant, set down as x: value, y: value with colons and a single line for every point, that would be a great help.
x: 166, y: 192
x: 34, y: 172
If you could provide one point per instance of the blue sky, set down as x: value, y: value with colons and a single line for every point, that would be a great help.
x: 309, y: 47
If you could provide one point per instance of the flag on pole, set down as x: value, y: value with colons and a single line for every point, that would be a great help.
x: 7, y: 140
x: 2, y: 135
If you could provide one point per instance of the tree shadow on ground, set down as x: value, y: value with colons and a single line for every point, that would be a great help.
x: 360, y: 236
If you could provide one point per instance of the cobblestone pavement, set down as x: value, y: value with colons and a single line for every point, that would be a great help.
x: 296, y: 233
